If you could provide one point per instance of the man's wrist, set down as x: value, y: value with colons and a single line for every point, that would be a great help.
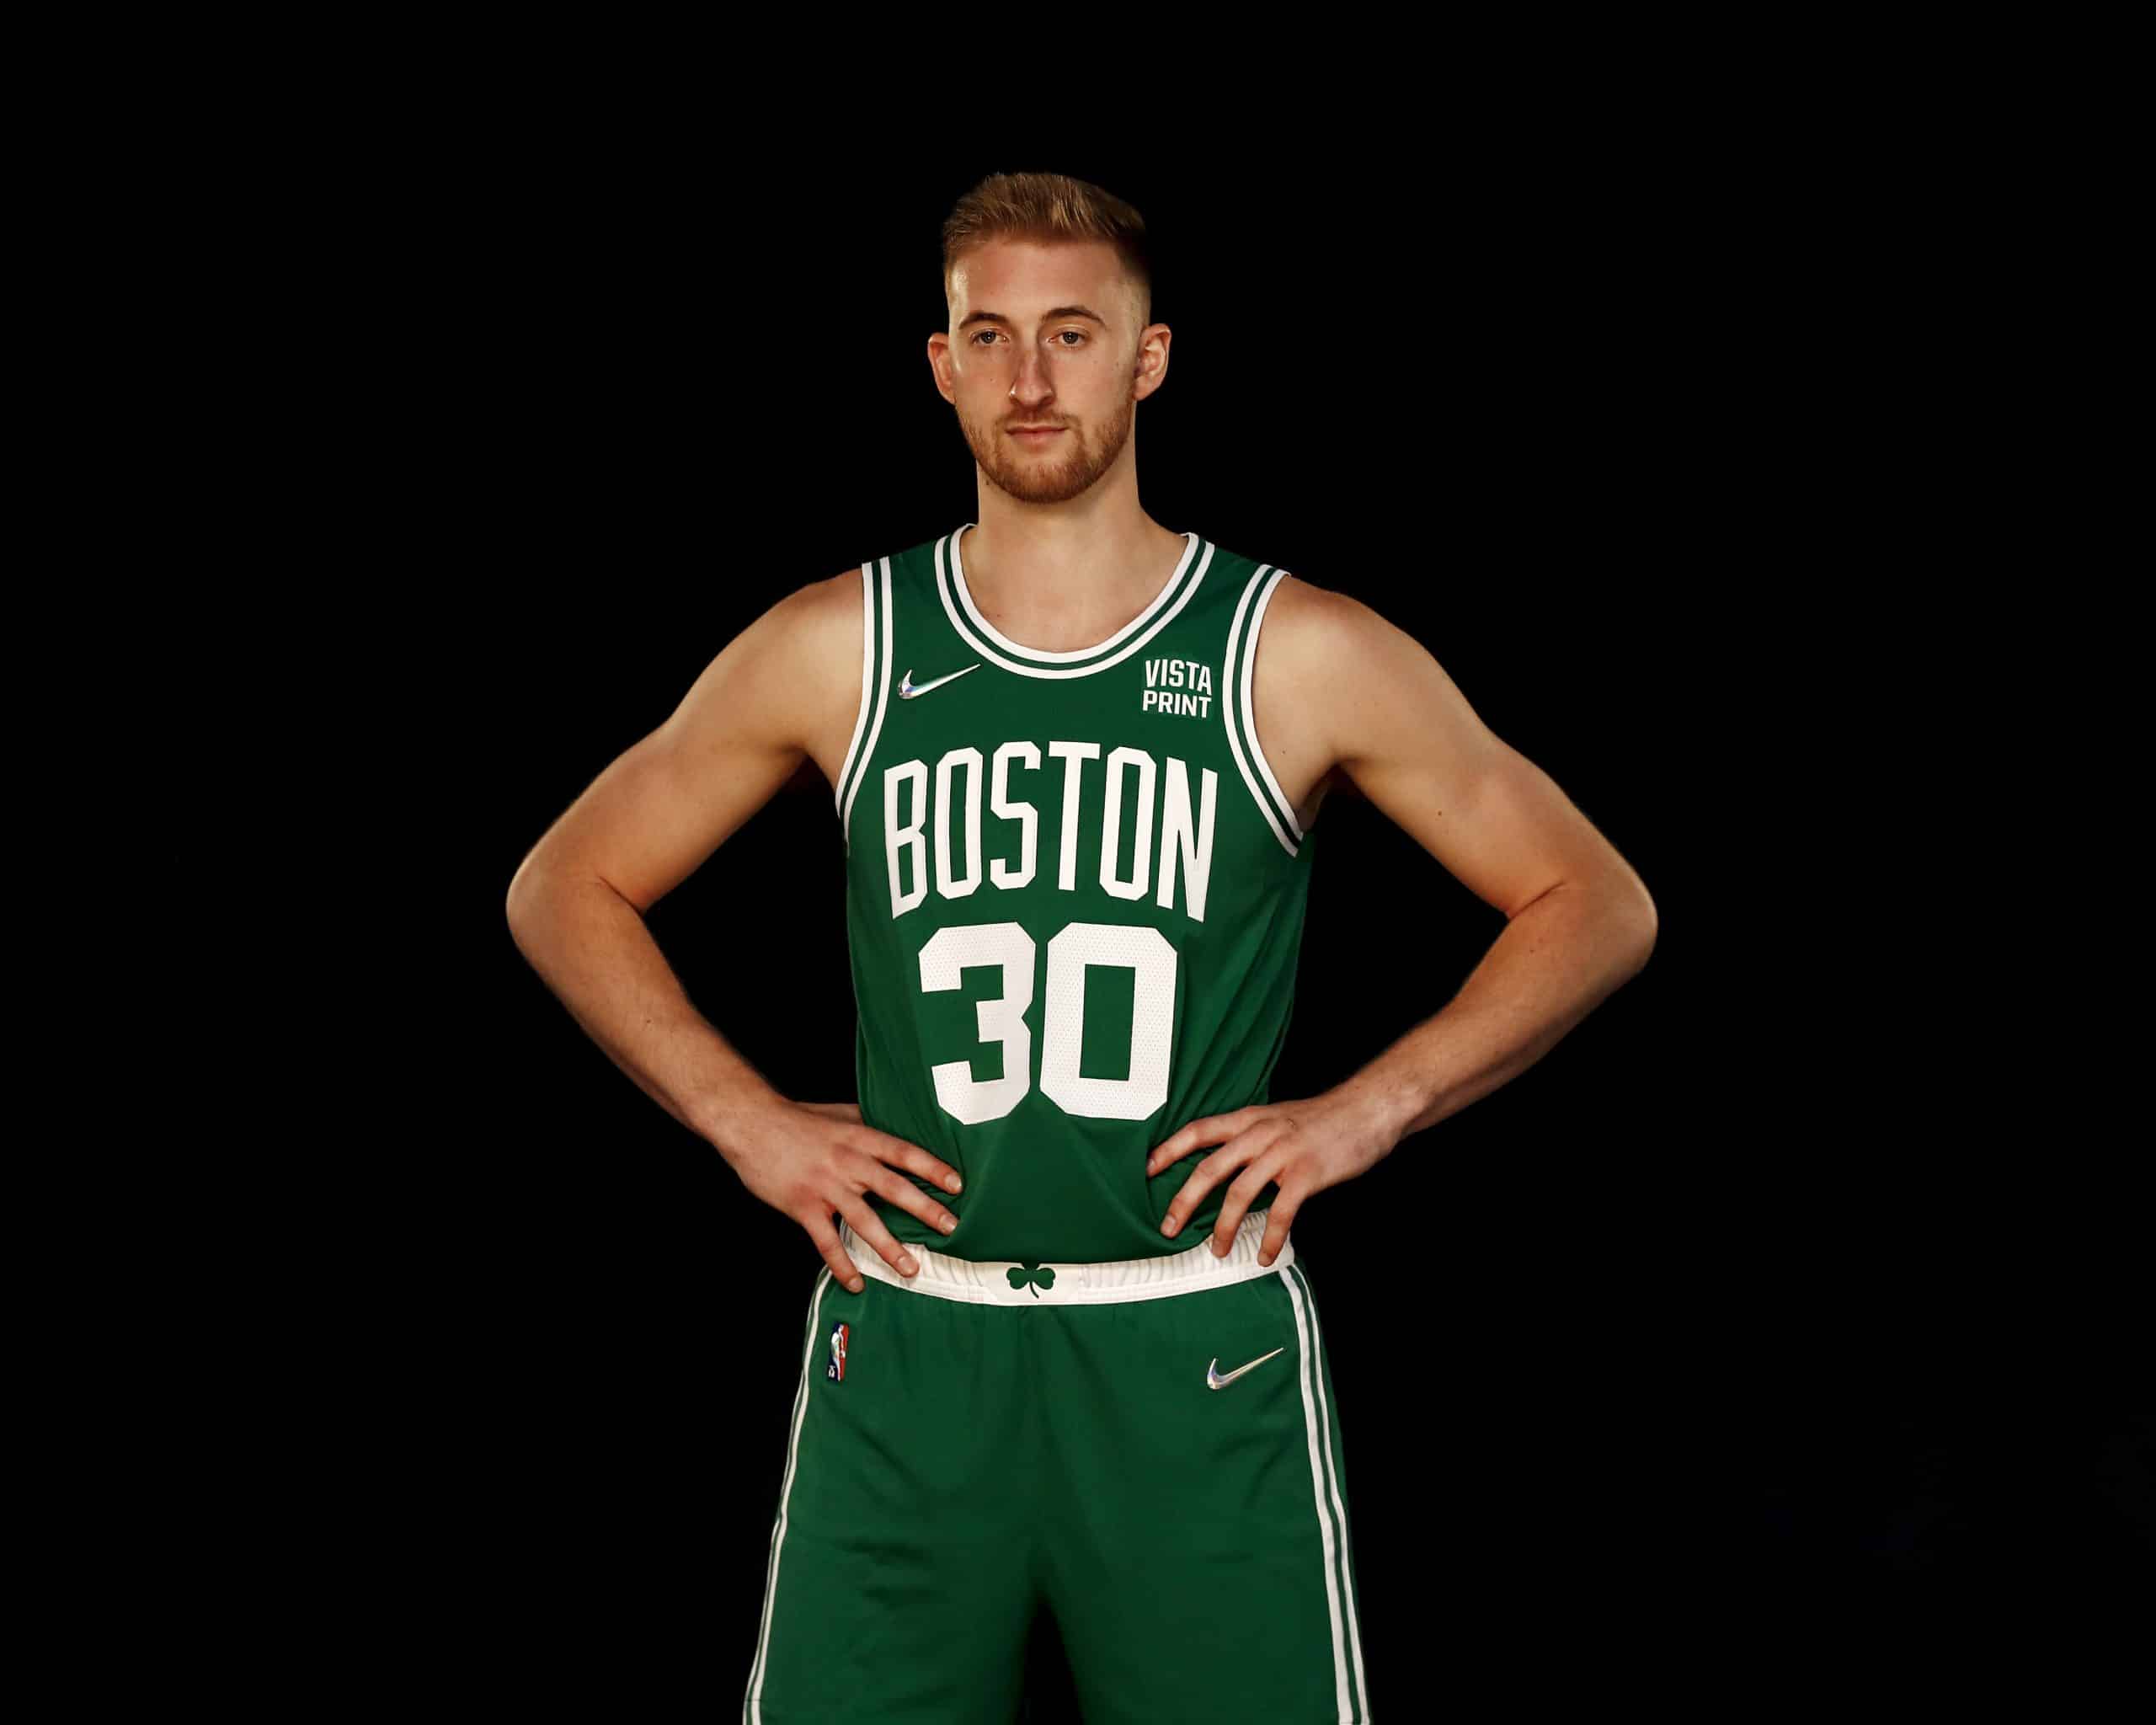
x: 725, y: 1115
x: 1388, y: 1100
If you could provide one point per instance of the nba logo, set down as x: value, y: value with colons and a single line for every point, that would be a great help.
x: 835, y: 1369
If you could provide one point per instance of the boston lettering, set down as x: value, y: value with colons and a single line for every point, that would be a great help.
x: 933, y: 822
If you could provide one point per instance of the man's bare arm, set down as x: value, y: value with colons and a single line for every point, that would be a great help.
x: 1579, y: 920
x: 577, y: 903
x: 651, y: 819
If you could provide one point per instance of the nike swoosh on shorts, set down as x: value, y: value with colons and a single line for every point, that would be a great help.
x: 1215, y: 1380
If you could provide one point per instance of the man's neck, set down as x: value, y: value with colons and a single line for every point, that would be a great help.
x: 1056, y: 585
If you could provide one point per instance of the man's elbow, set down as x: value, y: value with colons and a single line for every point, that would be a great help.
x: 1647, y: 924
x: 527, y: 889
x: 1628, y: 915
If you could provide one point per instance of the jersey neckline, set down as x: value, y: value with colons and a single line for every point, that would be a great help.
x: 1039, y: 655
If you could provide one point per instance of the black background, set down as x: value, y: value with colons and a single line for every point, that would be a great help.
x: 1675, y: 1369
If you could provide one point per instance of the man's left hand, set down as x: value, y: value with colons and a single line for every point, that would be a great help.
x: 1302, y: 1146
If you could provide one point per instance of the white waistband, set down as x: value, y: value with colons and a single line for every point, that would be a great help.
x: 979, y: 1282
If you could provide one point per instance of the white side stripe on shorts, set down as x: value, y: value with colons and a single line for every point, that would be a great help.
x: 752, y: 1708
x: 1314, y: 1429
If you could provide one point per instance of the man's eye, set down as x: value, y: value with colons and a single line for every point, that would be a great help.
x: 980, y: 335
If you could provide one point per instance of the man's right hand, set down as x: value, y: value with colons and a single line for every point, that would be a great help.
x: 809, y: 1160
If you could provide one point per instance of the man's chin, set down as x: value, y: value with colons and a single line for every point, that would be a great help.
x: 1032, y: 488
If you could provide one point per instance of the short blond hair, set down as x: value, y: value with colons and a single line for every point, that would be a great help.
x: 1049, y: 208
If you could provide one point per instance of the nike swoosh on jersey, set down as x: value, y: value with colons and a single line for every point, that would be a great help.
x: 908, y: 688
x: 1215, y: 1380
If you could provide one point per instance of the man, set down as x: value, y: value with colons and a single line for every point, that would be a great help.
x: 1068, y: 1360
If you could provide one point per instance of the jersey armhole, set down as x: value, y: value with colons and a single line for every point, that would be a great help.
x: 1240, y: 709
x: 875, y: 679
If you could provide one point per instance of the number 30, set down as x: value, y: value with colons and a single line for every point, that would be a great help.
x: 1071, y: 951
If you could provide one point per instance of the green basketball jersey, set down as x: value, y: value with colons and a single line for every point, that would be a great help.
x: 1075, y: 897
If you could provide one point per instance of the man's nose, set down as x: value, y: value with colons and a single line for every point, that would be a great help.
x: 1032, y: 383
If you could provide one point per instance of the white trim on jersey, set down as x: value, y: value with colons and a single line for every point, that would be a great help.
x: 867, y: 668
x: 1148, y: 624
x: 1250, y: 704
x: 875, y: 607
x: 1242, y: 664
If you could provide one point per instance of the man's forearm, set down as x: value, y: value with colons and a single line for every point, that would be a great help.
x: 592, y: 948
x: 1555, y: 961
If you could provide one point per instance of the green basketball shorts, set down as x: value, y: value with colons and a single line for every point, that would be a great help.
x: 1150, y: 1449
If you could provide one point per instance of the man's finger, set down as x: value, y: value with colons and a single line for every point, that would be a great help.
x: 870, y: 1227
x: 1177, y: 1145
x: 826, y: 1237
x: 1169, y: 1154
x: 886, y: 1147
x: 1207, y: 1129
x: 1277, y: 1220
x: 1236, y: 1202
x: 1208, y: 1174
x: 909, y: 1198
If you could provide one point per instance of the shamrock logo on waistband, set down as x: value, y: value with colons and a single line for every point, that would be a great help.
x: 1039, y: 1275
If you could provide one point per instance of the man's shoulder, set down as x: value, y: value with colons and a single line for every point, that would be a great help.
x: 1314, y: 630
x: 835, y: 606
x: 807, y: 664
x: 822, y: 617
x: 1320, y: 655
x: 804, y: 652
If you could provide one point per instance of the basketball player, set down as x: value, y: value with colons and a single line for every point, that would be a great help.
x: 1061, y: 1354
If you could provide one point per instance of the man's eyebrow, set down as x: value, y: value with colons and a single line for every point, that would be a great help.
x: 1046, y: 316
